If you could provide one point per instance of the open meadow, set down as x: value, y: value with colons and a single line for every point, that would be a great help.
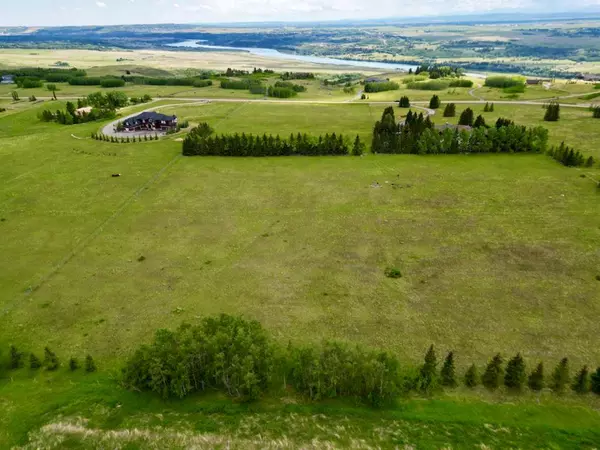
x: 498, y: 253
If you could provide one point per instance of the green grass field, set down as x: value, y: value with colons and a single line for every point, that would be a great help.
x: 498, y: 253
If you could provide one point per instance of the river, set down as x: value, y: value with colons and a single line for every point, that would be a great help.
x: 271, y: 53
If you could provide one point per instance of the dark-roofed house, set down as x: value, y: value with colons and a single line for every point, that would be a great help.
x: 150, y: 121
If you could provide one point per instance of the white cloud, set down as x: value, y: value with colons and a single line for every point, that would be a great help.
x: 101, y: 4
x: 176, y: 5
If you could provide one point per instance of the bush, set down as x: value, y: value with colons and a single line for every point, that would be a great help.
x: 32, y: 98
x: 404, y: 102
x: 434, y: 103
x: 281, y: 92
x: 432, y: 85
x: 28, y: 82
x: 226, y: 353
x: 518, y: 89
x: 392, y: 272
x: 381, y: 86
x: 504, y: 82
x: 50, y: 359
x: 16, y: 358
x: 73, y: 364
x: 472, y: 377
x: 461, y: 83
x: 90, y: 365
x: 34, y: 362
x: 552, y: 112
x: 289, y: 85
x: 112, y: 83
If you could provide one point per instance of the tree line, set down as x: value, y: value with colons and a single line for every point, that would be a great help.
x: 124, y: 140
x: 297, y: 76
x: 201, y: 142
x: 18, y: 359
x: 238, y: 357
x: 503, y: 82
x: 570, y: 157
x: 103, y: 107
x: 417, y: 135
x: 381, y: 86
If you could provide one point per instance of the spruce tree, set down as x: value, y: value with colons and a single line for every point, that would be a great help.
x: 448, y: 372
x: 450, y: 110
x: 434, y: 103
x: 581, y: 385
x: 73, y: 364
x: 90, y: 365
x: 492, y: 107
x: 492, y: 377
x: 486, y: 108
x: 16, y: 358
x: 428, y: 372
x: 466, y: 117
x: 552, y: 112
x: 515, y: 373
x: 50, y: 359
x: 595, y: 382
x: 536, y: 378
x: 479, y: 122
x: 358, y: 148
x: 560, y: 376
x: 472, y: 377
x: 34, y: 362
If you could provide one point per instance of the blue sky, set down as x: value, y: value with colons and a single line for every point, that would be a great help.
x: 92, y: 12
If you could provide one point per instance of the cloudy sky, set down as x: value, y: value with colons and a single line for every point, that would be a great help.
x: 91, y: 12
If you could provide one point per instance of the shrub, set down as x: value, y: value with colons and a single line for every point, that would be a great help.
x: 34, y: 362
x: 450, y: 110
x: 226, y: 353
x: 552, y: 113
x: 471, y: 377
x: 50, y: 359
x: 432, y: 85
x: 90, y: 365
x: 392, y: 272
x: 536, y: 378
x: 16, y: 358
x: 381, y: 86
x: 503, y: 82
x: 73, y: 364
x: 494, y: 372
x: 112, y: 83
x: 32, y: 98
x: 404, y: 102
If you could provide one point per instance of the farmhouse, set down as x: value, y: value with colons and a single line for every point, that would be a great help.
x: 150, y: 121
x: 7, y: 79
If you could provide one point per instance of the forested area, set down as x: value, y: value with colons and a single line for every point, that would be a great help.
x: 103, y: 107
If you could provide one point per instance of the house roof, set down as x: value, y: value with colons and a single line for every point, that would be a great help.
x: 151, y: 115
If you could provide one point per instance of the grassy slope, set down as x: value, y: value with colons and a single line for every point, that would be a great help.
x: 299, y: 244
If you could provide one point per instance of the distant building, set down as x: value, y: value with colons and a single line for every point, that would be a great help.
x: 150, y: 121
x: 7, y: 79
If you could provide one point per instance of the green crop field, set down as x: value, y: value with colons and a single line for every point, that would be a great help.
x: 499, y: 253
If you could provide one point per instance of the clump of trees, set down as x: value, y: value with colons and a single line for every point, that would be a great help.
x: 466, y: 117
x: 417, y: 135
x: 103, y: 107
x: 489, y: 107
x: 198, y: 143
x: 432, y: 85
x: 461, y: 83
x: 450, y: 110
x: 434, y: 103
x: 143, y: 99
x: 289, y: 85
x: 404, y: 102
x: 504, y: 82
x: 570, y: 157
x: 28, y: 82
x: 439, y: 71
x: 552, y: 113
x: 297, y: 76
x: 124, y: 140
x: 51, y: 362
x: 381, y: 86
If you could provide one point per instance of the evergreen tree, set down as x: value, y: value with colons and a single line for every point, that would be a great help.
x: 595, y: 382
x: 50, y: 359
x: 486, y: 108
x: 552, y: 112
x: 73, y: 364
x: 358, y: 148
x: 560, y: 376
x: 466, y: 117
x: 492, y: 107
x: 34, y: 362
x: 16, y: 358
x: 404, y: 102
x: 536, y: 378
x: 434, y: 103
x: 472, y: 377
x: 428, y: 373
x: 90, y: 365
x: 596, y: 112
x: 479, y: 122
x: 450, y: 110
x: 581, y: 385
x: 515, y: 373
x: 448, y: 372
x: 492, y: 377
